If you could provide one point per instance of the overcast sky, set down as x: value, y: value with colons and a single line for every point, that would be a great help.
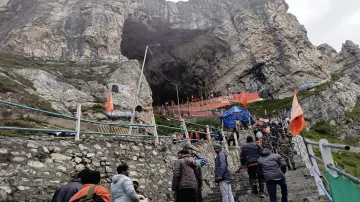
x: 327, y: 21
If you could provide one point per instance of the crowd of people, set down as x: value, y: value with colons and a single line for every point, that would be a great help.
x: 86, y: 188
x: 266, y: 157
x: 194, y: 136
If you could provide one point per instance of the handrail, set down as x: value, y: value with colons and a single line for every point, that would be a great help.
x: 325, y: 191
x: 317, y: 158
x: 337, y: 146
x: 170, y: 127
x: 71, y: 117
x: 73, y: 131
x: 352, y: 178
x: 36, y: 109
x: 333, y: 146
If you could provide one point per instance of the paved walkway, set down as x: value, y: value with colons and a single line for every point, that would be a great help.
x: 301, y: 186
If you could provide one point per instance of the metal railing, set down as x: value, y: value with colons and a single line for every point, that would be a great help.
x: 305, y: 148
x: 79, y: 120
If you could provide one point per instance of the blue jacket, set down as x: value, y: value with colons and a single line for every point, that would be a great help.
x: 222, y: 167
x: 200, y: 160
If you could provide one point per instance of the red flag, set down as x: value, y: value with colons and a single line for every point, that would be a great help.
x: 297, y: 121
x: 109, y: 104
x: 243, y: 99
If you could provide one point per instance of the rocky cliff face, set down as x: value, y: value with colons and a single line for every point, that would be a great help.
x: 205, y: 45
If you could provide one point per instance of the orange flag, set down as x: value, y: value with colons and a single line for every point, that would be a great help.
x: 243, y: 99
x: 297, y: 121
x: 109, y: 104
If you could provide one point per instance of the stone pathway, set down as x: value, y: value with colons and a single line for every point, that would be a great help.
x: 301, y: 186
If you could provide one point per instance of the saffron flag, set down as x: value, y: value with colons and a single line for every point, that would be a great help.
x: 297, y: 121
x: 109, y: 104
x: 243, y: 99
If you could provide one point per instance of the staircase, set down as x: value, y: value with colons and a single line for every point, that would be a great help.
x: 301, y: 186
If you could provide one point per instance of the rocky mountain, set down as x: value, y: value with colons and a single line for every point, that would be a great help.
x: 205, y: 46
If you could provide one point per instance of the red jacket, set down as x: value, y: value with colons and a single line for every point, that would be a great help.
x: 101, y: 194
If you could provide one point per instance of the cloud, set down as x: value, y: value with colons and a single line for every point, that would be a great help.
x: 329, y: 21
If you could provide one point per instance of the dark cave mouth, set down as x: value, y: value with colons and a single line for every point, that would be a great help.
x: 185, y: 57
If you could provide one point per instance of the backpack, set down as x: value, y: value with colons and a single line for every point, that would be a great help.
x: 90, y: 195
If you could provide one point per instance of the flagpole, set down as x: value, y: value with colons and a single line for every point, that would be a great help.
x: 138, y: 88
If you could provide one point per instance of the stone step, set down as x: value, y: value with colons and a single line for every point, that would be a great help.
x: 301, y: 186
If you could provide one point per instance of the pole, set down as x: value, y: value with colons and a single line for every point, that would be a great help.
x: 137, y: 92
x: 155, y: 130
x: 177, y: 94
x: 78, y: 121
x: 224, y: 140
x: 185, y: 130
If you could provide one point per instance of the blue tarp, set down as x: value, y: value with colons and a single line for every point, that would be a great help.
x: 308, y: 85
x: 234, y: 113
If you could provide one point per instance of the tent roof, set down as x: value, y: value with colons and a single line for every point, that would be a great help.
x: 233, y: 110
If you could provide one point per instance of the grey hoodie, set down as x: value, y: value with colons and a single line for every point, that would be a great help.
x: 122, y: 189
x: 186, y: 174
x: 271, y: 165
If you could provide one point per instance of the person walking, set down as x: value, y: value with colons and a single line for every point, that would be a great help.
x: 273, y: 168
x: 249, y: 155
x: 65, y: 192
x: 122, y: 187
x: 222, y: 174
x: 286, y: 150
x: 91, y: 190
x: 201, y: 161
x: 238, y: 125
x: 186, y: 178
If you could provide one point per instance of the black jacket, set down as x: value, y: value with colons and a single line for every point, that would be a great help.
x: 67, y: 191
x: 250, y: 153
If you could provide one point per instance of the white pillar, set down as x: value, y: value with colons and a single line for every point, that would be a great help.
x: 183, y: 124
x: 327, y: 156
x: 208, y: 131
x: 236, y: 140
x: 78, y: 121
x: 155, y: 130
x: 224, y: 140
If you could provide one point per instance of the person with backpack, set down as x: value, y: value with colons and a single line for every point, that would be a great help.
x: 65, y: 192
x: 201, y: 161
x: 187, y: 178
x: 222, y: 174
x: 91, y: 191
x: 122, y: 187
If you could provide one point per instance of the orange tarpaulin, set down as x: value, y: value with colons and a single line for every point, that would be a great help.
x: 109, y: 104
x: 297, y: 121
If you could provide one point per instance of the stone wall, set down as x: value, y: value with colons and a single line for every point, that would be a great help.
x: 31, y: 170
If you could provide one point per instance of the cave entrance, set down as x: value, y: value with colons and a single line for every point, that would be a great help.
x: 186, y: 57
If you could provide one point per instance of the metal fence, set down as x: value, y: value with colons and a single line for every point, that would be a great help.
x: 77, y: 130
x: 339, y: 190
